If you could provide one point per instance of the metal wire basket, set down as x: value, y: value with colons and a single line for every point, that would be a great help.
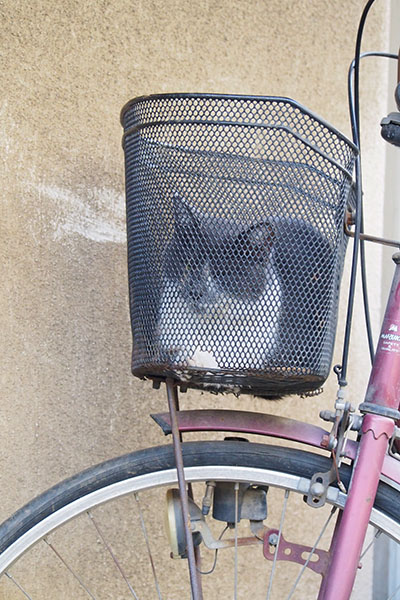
x: 235, y: 211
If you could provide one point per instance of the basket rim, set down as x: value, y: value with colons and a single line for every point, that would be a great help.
x: 243, y: 97
x: 288, y: 130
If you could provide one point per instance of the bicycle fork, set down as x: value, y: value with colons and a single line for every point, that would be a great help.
x: 381, y: 410
x: 349, y: 536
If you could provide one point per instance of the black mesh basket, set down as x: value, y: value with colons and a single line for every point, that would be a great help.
x: 235, y: 212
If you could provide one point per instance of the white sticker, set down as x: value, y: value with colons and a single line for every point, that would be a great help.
x: 390, y: 342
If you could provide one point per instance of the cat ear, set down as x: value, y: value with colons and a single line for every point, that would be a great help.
x: 183, y: 213
x: 260, y: 238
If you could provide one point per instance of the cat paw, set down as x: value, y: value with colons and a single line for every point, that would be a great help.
x: 203, y: 359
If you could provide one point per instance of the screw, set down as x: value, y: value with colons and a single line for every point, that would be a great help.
x: 273, y: 539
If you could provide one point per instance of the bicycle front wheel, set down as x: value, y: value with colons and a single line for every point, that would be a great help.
x: 100, y: 534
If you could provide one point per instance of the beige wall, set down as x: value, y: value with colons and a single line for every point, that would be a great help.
x: 67, y: 67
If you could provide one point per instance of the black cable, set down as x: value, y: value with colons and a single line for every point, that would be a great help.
x: 357, y: 57
x: 355, y: 125
x: 362, y: 243
x: 350, y: 78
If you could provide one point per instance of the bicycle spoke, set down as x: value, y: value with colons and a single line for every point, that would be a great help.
x: 110, y: 550
x: 303, y: 568
x: 143, y: 526
x: 394, y: 594
x: 372, y: 542
x: 19, y: 586
x: 69, y: 568
x: 271, y: 577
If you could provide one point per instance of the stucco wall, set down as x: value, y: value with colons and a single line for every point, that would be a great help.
x: 68, y: 399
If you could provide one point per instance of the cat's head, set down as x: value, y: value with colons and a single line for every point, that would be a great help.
x: 213, y: 257
x: 242, y: 264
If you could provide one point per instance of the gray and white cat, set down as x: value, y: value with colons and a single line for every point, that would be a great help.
x: 221, y: 294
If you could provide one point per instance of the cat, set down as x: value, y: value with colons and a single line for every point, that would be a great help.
x: 258, y: 298
x: 221, y: 292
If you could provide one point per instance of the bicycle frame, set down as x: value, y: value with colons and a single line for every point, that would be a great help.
x: 370, y: 454
x: 382, y: 401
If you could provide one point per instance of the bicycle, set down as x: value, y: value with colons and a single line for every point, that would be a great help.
x: 281, y: 147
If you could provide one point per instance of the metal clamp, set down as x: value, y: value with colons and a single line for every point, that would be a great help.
x: 335, y: 442
x: 381, y: 411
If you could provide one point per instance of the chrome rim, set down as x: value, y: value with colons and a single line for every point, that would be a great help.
x: 168, y: 477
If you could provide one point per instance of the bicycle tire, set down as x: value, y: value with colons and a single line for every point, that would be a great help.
x: 148, y: 469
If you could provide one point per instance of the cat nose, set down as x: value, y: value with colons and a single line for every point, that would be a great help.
x: 202, y: 298
x: 196, y: 295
